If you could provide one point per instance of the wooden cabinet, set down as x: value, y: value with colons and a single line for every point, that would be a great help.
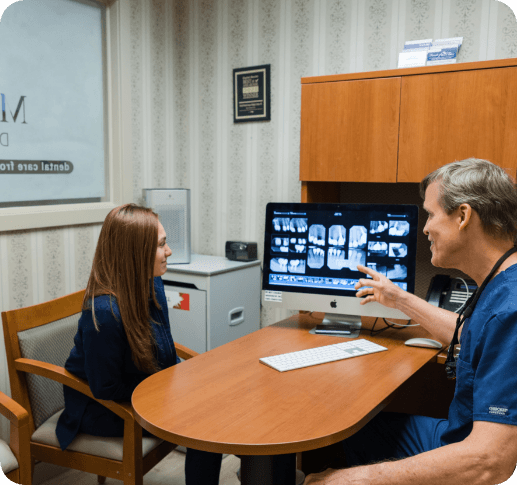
x: 457, y: 115
x: 399, y: 125
x: 349, y: 131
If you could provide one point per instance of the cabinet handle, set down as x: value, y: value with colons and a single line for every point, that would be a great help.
x: 236, y: 316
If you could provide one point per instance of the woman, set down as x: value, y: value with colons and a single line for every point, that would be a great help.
x: 124, y: 332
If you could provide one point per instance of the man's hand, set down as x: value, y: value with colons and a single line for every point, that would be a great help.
x: 378, y: 288
x: 329, y: 476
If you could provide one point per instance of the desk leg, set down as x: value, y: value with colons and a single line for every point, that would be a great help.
x: 268, y: 470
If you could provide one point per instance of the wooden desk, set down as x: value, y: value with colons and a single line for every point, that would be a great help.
x: 225, y: 401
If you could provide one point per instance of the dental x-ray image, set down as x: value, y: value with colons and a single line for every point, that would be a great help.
x: 398, y: 250
x: 337, y: 235
x: 280, y: 244
x: 317, y: 235
x: 358, y: 237
x: 378, y: 226
x: 355, y: 257
x: 378, y: 248
x: 296, y: 266
x: 279, y: 265
x: 317, y: 248
x: 281, y: 224
x: 316, y: 258
x: 399, y: 228
x: 380, y: 268
x: 298, y: 225
x: 396, y: 272
x: 336, y: 259
x: 298, y: 245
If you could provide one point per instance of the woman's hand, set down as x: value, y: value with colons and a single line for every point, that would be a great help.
x: 378, y: 288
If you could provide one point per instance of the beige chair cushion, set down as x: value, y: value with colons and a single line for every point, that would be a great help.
x: 7, y: 459
x: 92, y: 445
x: 50, y: 343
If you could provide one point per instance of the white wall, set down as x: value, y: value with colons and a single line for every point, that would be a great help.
x: 183, y: 53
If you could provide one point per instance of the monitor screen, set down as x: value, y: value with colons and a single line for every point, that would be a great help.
x: 314, y: 249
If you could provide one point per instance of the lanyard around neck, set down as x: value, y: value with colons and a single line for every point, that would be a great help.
x: 466, y: 312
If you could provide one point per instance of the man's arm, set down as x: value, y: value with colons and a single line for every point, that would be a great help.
x: 486, y: 457
x: 437, y: 321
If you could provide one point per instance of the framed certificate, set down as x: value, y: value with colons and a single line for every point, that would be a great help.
x: 251, y: 94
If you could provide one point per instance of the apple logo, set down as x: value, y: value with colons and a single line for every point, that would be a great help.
x: 333, y: 304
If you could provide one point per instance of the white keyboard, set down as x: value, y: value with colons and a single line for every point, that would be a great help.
x: 321, y: 355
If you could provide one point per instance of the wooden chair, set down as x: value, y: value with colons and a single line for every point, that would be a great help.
x: 38, y: 341
x: 16, y: 458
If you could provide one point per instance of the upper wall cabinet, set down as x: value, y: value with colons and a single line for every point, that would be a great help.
x: 399, y: 125
x: 349, y: 131
x: 456, y: 115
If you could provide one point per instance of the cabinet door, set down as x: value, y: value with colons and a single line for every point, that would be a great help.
x: 457, y: 115
x: 349, y: 131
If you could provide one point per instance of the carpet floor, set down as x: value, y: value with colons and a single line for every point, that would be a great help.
x: 170, y: 471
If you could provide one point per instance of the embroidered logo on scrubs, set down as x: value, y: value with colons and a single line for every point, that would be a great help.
x: 498, y: 410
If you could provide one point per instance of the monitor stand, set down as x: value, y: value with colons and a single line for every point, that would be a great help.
x: 350, y: 324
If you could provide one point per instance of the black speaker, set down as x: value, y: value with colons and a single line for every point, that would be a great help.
x: 241, y: 251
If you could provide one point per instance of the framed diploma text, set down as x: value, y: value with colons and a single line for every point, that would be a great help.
x: 251, y: 94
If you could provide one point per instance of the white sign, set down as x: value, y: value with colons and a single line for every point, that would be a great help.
x: 270, y: 295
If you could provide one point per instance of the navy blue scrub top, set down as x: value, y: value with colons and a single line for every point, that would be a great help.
x: 487, y: 365
x: 103, y: 358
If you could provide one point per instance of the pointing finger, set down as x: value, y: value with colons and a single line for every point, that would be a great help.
x: 366, y: 282
x: 368, y: 271
x: 365, y: 290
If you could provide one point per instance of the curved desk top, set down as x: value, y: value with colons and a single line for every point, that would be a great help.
x: 226, y: 401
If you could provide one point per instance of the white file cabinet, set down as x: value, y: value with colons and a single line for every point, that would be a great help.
x: 212, y: 300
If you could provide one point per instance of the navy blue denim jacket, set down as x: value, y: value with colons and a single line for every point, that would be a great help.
x: 103, y: 358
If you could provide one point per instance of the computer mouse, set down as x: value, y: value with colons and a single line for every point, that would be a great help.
x: 424, y: 342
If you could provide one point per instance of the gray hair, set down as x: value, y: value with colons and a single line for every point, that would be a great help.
x: 486, y: 187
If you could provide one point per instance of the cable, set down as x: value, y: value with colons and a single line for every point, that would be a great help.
x: 466, y: 286
x: 468, y: 294
x: 389, y: 324
x: 374, y: 332
x: 401, y: 324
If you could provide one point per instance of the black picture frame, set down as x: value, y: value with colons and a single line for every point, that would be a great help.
x: 252, y: 94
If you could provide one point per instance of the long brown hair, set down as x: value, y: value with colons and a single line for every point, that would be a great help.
x: 123, y: 268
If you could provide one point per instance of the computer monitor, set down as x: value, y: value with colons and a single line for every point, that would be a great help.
x: 311, y: 253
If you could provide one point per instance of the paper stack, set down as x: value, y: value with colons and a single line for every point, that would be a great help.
x: 414, y: 53
x: 444, y: 51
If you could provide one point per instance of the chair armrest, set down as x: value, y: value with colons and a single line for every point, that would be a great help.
x: 184, y: 352
x: 16, y: 414
x: 61, y: 375
x: 20, y: 435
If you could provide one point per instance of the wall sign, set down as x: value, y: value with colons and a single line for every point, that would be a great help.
x: 251, y: 94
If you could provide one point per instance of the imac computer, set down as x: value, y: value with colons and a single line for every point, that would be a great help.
x: 311, y: 253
